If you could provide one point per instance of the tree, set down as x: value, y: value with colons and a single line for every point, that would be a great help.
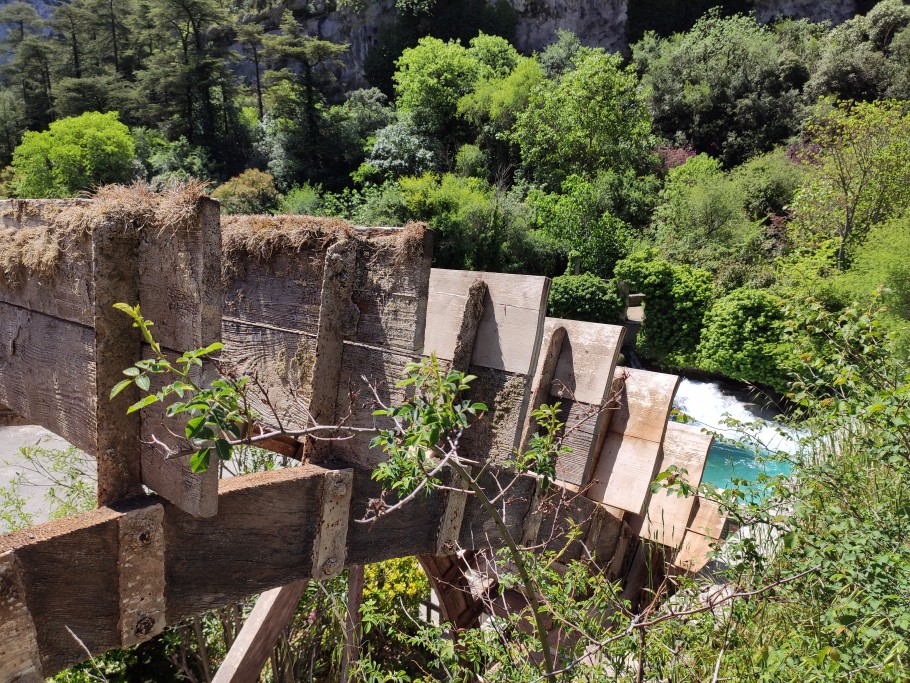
x: 249, y: 193
x: 858, y: 161
x: 742, y: 338
x: 430, y: 79
x: 727, y: 87
x: 250, y: 37
x: 591, y: 119
x: 74, y: 155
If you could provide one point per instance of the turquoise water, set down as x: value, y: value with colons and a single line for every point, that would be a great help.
x: 707, y: 405
x: 727, y: 462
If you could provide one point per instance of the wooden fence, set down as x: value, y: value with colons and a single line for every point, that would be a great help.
x: 322, y: 314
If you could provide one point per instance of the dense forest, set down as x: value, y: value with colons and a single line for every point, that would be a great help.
x: 751, y: 180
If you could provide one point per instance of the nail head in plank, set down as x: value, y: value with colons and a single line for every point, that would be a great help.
x: 141, y: 568
x: 19, y: 657
x: 330, y: 546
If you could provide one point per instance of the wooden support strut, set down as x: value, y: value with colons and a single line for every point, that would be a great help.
x: 19, y: 657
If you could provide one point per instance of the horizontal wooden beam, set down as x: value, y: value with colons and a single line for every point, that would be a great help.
x: 168, y: 564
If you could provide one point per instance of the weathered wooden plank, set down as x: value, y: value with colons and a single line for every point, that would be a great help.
x: 509, y: 334
x: 330, y: 546
x: 645, y: 404
x: 261, y: 538
x: 584, y: 370
x: 271, y: 615
x: 47, y: 373
x: 115, y: 263
x: 625, y: 469
x: 180, y: 277
x: 667, y: 516
x: 45, y: 265
x: 694, y: 551
x: 274, y: 273
x: 70, y: 578
x: 171, y: 478
x: 452, y: 516
x: 19, y: 656
x: 363, y: 370
x: 495, y: 437
x: 141, y: 568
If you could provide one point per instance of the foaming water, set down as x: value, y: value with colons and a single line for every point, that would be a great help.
x: 708, y: 406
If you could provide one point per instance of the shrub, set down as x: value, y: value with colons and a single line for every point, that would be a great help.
x: 676, y: 300
x: 73, y: 155
x: 742, y: 338
x: 303, y: 200
x: 251, y: 192
x: 585, y: 297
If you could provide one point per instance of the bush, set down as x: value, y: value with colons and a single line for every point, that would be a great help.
x: 742, y: 338
x: 303, y: 200
x: 676, y: 300
x: 585, y: 297
x: 251, y: 192
x: 74, y: 155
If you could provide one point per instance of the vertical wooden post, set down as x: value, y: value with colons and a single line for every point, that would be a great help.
x: 19, y: 657
x: 115, y: 253
x: 352, y: 624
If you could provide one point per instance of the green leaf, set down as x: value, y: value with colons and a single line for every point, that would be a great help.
x: 142, y: 403
x: 211, y: 348
x: 120, y: 386
x: 143, y: 382
x: 224, y: 449
x: 131, y: 372
x: 199, y: 462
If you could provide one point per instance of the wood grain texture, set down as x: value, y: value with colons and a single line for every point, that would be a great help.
x: 180, y: 280
x: 584, y: 369
x: 115, y: 263
x: 262, y: 538
x: 509, y: 333
x: 171, y: 478
x: 19, y: 657
x: 47, y: 373
x: 665, y: 521
x: 625, y: 469
x: 330, y: 546
x: 141, y: 569
x: 707, y: 518
x: 645, y: 404
x: 452, y: 516
x: 694, y: 551
x: 67, y: 292
x: 69, y: 573
x: 271, y: 615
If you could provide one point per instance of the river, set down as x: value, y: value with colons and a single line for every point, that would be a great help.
x: 708, y: 404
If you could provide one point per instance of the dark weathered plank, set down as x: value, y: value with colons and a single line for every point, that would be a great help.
x: 19, y: 656
x: 261, y: 538
x: 47, y: 373
x: 495, y: 437
x: 180, y: 278
x: 45, y: 265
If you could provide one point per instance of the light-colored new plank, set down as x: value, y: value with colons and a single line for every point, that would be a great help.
x: 647, y: 398
x: 625, y: 469
x: 685, y: 447
x: 584, y: 370
x: 693, y: 552
x: 707, y: 518
x: 508, y: 337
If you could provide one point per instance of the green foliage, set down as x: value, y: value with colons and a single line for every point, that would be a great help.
x: 430, y: 80
x: 495, y: 53
x: 727, y: 87
x: 251, y: 192
x: 742, y: 338
x: 585, y: 297
x: 304, y: 200
x: 217, y: 415
x: 425, y: 425
x: 676, y: 300
x: 702, y: 221
x: 74, y: 155
x: 591, y: 119
x: 580, y: 216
